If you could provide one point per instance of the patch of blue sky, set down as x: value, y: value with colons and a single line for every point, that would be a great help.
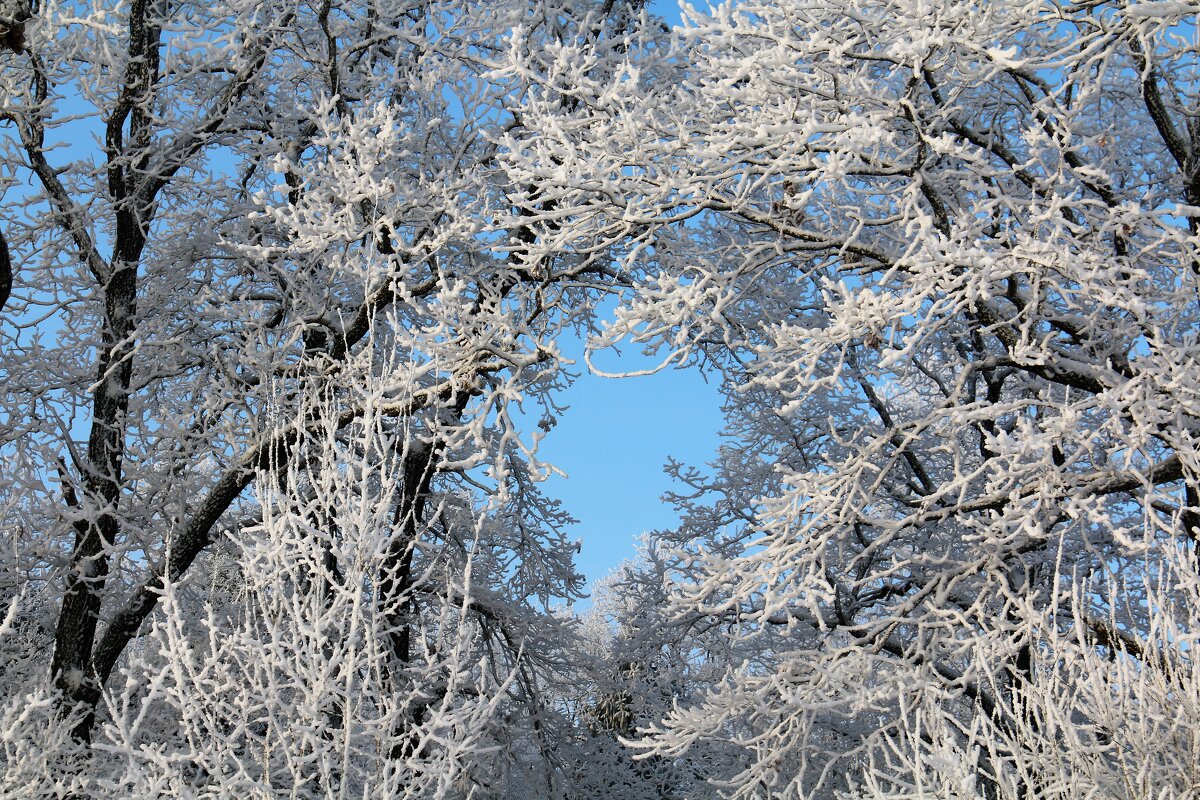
x: 613, y: 442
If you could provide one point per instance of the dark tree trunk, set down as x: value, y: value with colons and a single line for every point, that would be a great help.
x: 6, y: 272
x: 395, y: 581
x: 72, y: 668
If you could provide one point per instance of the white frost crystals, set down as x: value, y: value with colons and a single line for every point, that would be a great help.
x: 273, y: 526
x: 953, y: 527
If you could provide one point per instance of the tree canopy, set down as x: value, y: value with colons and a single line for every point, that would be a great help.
x: 284, y: 291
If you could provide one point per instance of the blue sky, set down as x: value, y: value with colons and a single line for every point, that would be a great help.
x: 613, y: 442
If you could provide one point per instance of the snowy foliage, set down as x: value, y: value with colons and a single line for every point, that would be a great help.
x: 944, y: 257
x: 287, y: 287
x: 271, y: 526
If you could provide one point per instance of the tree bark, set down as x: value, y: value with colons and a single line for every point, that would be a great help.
x: 395, y: 581
x: 72, y: 665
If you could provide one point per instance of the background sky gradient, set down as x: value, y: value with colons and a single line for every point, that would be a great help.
x: 613, y: 443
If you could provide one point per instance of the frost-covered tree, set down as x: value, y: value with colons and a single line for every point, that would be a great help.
x: 272, y: 526
x: 944, y: 257
x: 277, y: 277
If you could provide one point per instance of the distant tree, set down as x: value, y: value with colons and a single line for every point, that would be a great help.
x: 944, y: 257
x: 651, y: 662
